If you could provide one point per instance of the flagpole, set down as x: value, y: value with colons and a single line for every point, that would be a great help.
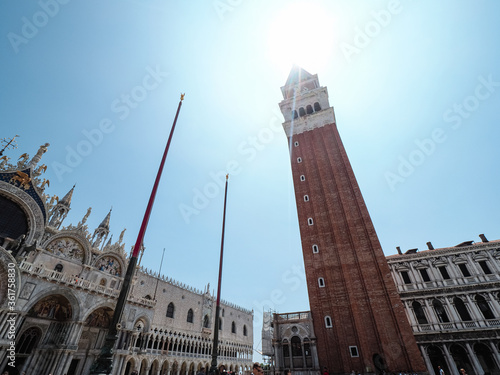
x: 159, y: 272
x: 213, y: 367
x: 104, y: 362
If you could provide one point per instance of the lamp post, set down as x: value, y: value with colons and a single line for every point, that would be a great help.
x: 104, y: 362
x: 213, y: 368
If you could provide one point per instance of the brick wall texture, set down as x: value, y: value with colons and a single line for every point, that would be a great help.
x: 359, y: 293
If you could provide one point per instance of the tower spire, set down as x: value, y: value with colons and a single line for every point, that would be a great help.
x: 102, y: 231
x: 105, y: 222
x: 61, y: 209
x: 66, y: 201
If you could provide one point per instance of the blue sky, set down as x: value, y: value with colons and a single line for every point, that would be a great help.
x: 416, y: 92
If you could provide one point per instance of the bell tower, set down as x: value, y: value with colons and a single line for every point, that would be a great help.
x: 359, y: 320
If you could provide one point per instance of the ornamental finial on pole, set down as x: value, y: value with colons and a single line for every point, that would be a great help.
x: 182, y: 97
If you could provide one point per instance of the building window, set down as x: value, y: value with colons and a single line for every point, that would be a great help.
x: 222, y: 312
x: 444, y: 272
x: 206, y: 322
x: 295, y: 114
x: 190, y: 316
x: 424, y: 274
x: 484, y: 307
x: 328, y: 322
x: 233, y: 327
x: 406, y: 277
x: 310, y: 221
x: 440, y: 311
x: 464, y: 269
x: 485, y: 267
x: 296, y: 347
x: 309, y: 109
x: 315, y: 249
x: 58, y: 268
x: 302, y: 178
x: 419, y: 313
x: 354, y: 351
x: 307, y: 347
x: 296, y: 143
x: 220, y: 324
x: 462, y: 309
x: 245, y: 330
x: 302, y: 111
x: 306, y: 198
x: 317, y: 107
x: 321, y: 282
x: 286, y: 352
x: 170, y: 310
x: 28, y: 341
x: 299, y: 160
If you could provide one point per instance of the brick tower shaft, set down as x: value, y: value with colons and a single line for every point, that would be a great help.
x: 359, y: 320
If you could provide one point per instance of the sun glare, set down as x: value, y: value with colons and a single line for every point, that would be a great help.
x: 301, y: 34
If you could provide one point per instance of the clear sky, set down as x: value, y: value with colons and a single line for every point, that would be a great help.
x: 416, y: 91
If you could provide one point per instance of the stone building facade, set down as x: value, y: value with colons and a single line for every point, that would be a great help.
x: 452, y: 300
x: 288, y: 340
x: 59, y: 286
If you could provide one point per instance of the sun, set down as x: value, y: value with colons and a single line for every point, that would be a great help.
x: 301, y: 34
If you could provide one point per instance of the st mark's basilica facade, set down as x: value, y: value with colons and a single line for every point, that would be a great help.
x: 59, y: 284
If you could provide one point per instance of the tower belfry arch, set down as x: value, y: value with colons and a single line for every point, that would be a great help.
x: 359, y: 320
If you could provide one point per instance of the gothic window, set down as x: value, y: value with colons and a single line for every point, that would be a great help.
x: 464, y: 269
x: 286, y: 352
x: 424, y: 274
x: 220, y: 324
x: 419, y: 313
x: 461, y: 309
x: 222, y: 312
x: 310, y: 221
x: 190, y: 316
x: 484, y: 307
x: 317, y: 107
x: 170, y: 310
x: 485, y: 267
x: 302, y: 178
x: 302, y: 112
x: 321, y: 282
x: 406, y: 277
x: 328, y: 322
x: 306, y: 198
x: 206, y: 321
x: 233, y: 327
x: 444, y: 272
x: 28, y: 341
x: 309, y: 109
x: 307, y: 347
x: 58, y: 267
x: 245, y: 333
x: 296, y: 347
x: 440, y: 311
x: 299, y: 160
x: 315, y: 249
x: 295, y: 114
x: 296, y: 143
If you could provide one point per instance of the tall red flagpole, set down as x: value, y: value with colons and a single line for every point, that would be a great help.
x: 104, y: 362
x: 213, y: 367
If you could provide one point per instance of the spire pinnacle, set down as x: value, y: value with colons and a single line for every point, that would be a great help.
x: 105, y: 222
x: 67, y: 198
